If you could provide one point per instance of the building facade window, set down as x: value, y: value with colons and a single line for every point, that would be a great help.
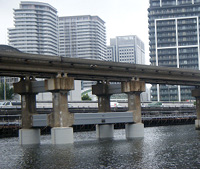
x: 174, y: 41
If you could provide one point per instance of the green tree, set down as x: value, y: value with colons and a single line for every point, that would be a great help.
x: 86, y: 97
x: 9, y: 92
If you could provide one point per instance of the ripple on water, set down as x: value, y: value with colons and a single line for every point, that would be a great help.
x: 162, y: 147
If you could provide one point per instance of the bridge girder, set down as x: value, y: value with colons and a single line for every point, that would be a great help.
x: 42, y: 66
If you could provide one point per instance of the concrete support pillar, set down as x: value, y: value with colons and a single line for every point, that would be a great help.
x: 196, y: 94
x: 27, y: 135
x: 134, y: 105
x: 28, y: 107
x: 105, y: 131
x: 62, y: 135
x: 134, y: 89
x: 134, y: 130
x: 101, y: 90
x: 60, y: 116
x: 61, y: 119
x: 28, y: 100
x: 104, y: 103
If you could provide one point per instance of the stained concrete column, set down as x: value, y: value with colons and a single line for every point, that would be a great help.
x: 61, y: 119
x: 134, y: 105
x: 27, y: 135
x: 196, y: 94
x: 28, y: 108
x: 60, y: 116
x: 101, y: 91
x: 134, y: 89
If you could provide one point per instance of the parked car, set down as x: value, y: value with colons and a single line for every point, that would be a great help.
x: 114, y: 104
x: 10, y: 104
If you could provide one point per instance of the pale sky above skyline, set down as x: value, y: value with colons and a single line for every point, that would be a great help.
x: 122, y: 17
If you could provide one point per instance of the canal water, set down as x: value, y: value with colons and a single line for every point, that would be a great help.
x: 161, y: 147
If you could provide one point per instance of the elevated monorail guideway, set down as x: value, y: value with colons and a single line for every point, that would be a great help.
x: 59, y: 73
x: 43, y: 66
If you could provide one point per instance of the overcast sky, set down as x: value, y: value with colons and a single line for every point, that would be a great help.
x: 122, y: 17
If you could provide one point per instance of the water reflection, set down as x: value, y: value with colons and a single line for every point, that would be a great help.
x: 162, y: 147
x: 30, y: 156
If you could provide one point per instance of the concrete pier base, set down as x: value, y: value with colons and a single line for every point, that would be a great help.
x: 62, y: 135
x: 134, y: 130
x: 29, y: 136
x: 197, y: 124
x: 105, y: 131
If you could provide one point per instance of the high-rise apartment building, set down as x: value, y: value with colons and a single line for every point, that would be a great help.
x: 174, y: 42
x: 129, y: 49
x: 36, y: 28
x: 82, y: 36
x: 35, y: 31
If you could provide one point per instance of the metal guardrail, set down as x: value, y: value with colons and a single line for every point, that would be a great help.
x: 89, y: 118
x: 41, y: 120
x: 103, y: 118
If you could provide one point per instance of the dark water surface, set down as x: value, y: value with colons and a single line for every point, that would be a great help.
x: 161, y: 147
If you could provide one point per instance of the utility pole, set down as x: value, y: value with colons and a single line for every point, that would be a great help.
x: 4, y: 88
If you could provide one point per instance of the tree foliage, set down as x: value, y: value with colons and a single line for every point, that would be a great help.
x: 9, y: 92
x: 86, y: 97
